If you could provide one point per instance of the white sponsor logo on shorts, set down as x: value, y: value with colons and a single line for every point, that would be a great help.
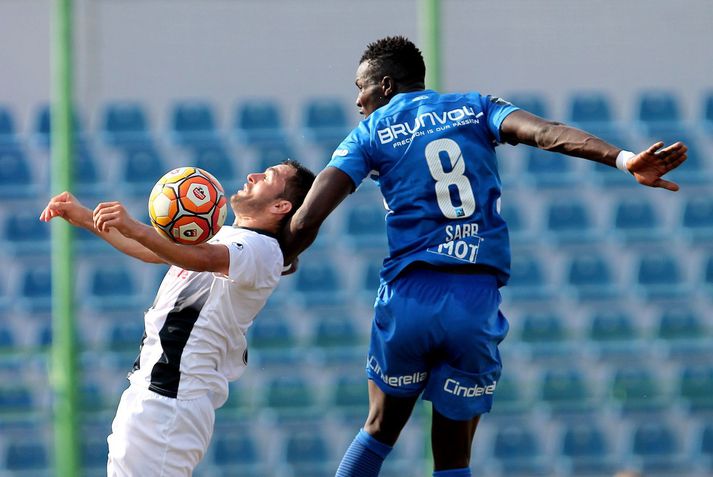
x: 396, y: 381
x: 454, y: 387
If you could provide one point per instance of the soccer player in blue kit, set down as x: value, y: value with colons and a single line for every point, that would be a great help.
x: 437, y: 323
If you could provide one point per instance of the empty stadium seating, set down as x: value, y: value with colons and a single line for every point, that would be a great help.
x: 125, y: 123
x: 193, y: 122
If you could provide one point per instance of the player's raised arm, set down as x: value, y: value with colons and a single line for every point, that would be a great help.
x: 68, y: 207
x: 329, y: 189
x: 647, y: 167
x: 112, y: 217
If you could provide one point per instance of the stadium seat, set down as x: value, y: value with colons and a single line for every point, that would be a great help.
x: 516, y: 215
x: 531, y: 102
x: 659, y: 112
x: 658, y: 445
x: 680, y: 323
x: 549, y: 169
x: 42, y: 128
x: 565, y: 392
x: 659, y: 276
x: 24, y: 234
x: 590, y: 109
x: 319, y: 283
x: 8, y: 340
x: 706, y: 441
x: 545, y: 335
x: 349, y: 395
x: 308, y: 453
x: 193, y: 122
x: 511, y: 398
x: 16, y: 179
x: 292, y: 398
x: 637, y: 391
x: 125, y: 333
x: 259, y: 121
x: 36, y: 288
x: 141, y: 167
x: 697, y: 219
x: 517, y: 449
x: 527, y: 280
x: 586, y: 447
x: 94, y: 452
x: 365, y: 227
x: 26, y: 456
x: 708, y: 113
x: 696, y: 388
x: 271, y: 154
x: 125, y: 123
x: 336, y: 332
x: 636, y: 222
x: 16, y: 398
x: 615, y: 337
x: 569, y: 222
x: 87, y: 179
x: 234, y: 448
x: 8, y: 133
x: 590, y: 276
x: 325, y: 119
x: 114, y: 288
x: 215, y: 159
x: 271, y: 332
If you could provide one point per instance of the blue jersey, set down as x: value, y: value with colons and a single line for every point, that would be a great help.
x: 433, y: 157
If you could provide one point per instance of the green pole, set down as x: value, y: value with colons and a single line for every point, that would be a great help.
x: 431, y: 46
x: 63, y: 372
x: 431, y: 41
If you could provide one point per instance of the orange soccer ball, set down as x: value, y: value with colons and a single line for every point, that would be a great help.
x: 187, y: 205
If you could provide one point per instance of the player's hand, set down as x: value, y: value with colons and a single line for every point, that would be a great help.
x: 292, y: 267
x: 113, y: 215
x: 650, y: 165
x: 68, y: 207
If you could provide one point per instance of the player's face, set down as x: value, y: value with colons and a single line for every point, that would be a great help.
x: 261, y: 189
x: 371, y: 95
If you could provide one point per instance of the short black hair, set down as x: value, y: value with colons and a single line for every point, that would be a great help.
x: 395, y: 56
x: 296, y: 186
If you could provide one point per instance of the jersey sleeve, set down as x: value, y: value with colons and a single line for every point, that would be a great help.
x: 351, y: 156
x: 496, y: 110
x: 252, y: 262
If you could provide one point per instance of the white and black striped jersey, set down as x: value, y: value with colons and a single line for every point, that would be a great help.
x: 194, y: 339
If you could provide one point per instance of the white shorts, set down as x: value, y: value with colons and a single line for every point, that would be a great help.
x: 158, y: 436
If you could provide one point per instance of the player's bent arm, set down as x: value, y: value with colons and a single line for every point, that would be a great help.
x: 521, y: 127
x: 203, y: 257
x: 330, y: 188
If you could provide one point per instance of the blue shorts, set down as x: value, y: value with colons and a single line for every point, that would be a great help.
x: 438, y: 333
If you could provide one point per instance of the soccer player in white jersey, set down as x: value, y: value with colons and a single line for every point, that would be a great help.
x: 194, y: 341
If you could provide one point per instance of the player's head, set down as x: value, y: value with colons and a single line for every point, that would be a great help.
x: 268, y: 199
x: 387, y: 67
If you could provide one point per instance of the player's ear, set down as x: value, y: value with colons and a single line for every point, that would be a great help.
x: 388, y: 86
x: 282, y: 206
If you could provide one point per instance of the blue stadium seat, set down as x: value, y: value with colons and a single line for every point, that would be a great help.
x: 318, y: 282
x: 527, y: 279
x: 659, y: 276
x: 325, y: 122
x: 590, y: 109
x: 615, y: 337
x: 696, y: 387
x: 214, y: 158
x: 292, y: 399
x: 141, y: 167
x: 16, y: 179
x: 8, y: 340
x: 335, y: 332
x: 708, y: 113
x: 697, y: 219
x: 42, y: 128
x: 350, y: 395
x: 680, y: 323
x: 659, y: 112
x: 234, y: 448
x: 658, y: 445
x: 511, y: 398
x: 531, y: 102
x: 193, y: 122
x: 545, y: 334
x: 308, y: 453
x: 590, y: 276
x: 365, y: 227
x: 36, y: 288
x: 16, y: 398
x: 8, y: 133
x: 125, y: 123
x: 636, y: 221
x: 271, y: 154
x: 517, y: 449
x: 259, y: 121
x: 565, y: 392
x: 125, y: 333
x: 516, y: 216
x: 87, y: 179
x: 549, y: 169
x: 114, y: 288
x: 94, y: 452
x: 24, y: 234
x: 26, y: 456
x: 270, y: 332
x: 570, y: 223
x: 636, y: 390
x: 587, y: 448
x: 706, y: 441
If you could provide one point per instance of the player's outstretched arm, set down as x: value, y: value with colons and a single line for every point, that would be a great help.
x: 68, y: 207
x: 647, y: 167
x: 112, y: 217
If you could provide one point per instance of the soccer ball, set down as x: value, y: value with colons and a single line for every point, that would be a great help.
x: 187, y: 205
